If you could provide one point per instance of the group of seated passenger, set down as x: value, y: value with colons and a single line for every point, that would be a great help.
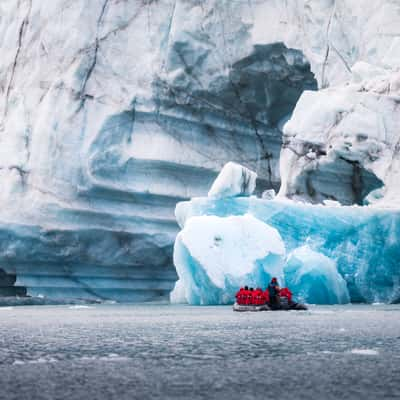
x: 258, y: 297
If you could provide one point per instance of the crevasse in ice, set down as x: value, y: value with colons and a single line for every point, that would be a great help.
x: 362, y: 243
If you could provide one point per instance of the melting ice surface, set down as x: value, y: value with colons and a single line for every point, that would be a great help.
x: 333, y: 254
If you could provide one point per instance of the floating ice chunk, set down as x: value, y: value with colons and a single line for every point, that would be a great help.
x: 365, y: 352
x: 215, y: 256
x: 78, y: 307
x: 233, y: 180
x: 314, y: 278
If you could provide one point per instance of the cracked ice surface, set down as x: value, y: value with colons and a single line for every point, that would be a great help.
x: 336, y: 254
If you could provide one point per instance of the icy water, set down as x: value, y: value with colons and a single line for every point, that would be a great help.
x: 183, y: 352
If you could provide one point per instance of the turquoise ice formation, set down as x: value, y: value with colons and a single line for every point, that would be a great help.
x: 314, y: 278
x: 352, y: 254
x: 214, y: 256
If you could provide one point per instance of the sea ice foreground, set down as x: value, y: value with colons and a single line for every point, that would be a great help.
x: 333, y: 254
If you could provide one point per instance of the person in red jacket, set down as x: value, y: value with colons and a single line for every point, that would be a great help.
x: 239, y: 296
x: 285, y: 292
x: 255, y: 298
x: 251, y: 297
x: 245, y: 295
x: 259, y: 297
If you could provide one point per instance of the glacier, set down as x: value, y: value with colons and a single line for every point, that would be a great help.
x: 341, y: 143
x: 112, y: 112
x: 335, y: 254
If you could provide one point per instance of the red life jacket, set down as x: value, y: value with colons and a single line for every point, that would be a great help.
x: 240, y: 296
x: 259, y: 297
x: 250, y: 297
x: 255, y: 298
x: 244, y: 297
x: 285, y: 292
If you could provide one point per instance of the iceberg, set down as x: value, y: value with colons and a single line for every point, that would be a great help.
x: 314, y: 278
x: 216, y: 255
x: 352, y: 252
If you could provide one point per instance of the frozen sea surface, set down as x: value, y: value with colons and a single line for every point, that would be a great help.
x: 183, y: 352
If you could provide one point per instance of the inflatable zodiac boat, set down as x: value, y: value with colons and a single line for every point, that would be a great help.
x: 266, y: 307
x: 285, y: 303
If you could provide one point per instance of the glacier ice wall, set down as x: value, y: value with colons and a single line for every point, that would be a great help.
x: 111, y: 112
x: 361, y: 242
x: 342, y: 142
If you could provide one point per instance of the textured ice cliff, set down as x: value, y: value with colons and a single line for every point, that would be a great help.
x: 342, y: 143
x: 336, y: 254
x: 111, y: 112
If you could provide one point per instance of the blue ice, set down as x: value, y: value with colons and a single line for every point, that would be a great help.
x: 354, y: 252
x: 314, y: 278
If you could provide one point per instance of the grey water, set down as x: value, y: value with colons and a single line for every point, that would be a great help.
x: 184, y: 352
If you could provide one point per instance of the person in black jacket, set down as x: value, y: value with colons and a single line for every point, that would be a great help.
x: 273, y: 290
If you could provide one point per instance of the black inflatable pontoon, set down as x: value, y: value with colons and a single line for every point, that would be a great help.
x: 265, y: 307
